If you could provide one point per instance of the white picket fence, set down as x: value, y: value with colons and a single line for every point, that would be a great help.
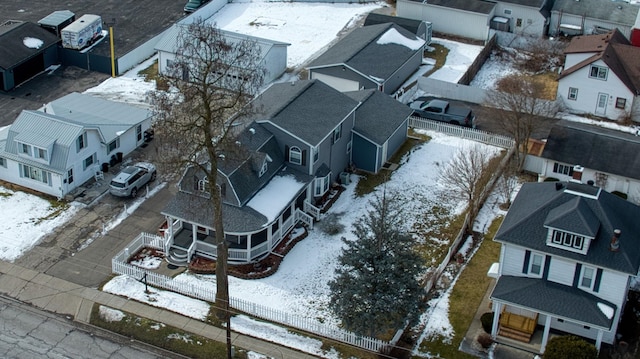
x: 462, y: 132
x: 120, y: 265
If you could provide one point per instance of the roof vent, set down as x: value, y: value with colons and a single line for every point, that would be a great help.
x: 614, y: 246
x: 252, y: 131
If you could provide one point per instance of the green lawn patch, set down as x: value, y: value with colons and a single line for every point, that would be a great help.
x: 150, y: 73
x: 466, y: 296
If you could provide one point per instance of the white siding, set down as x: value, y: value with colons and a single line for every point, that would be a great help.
x: 12, y: 174
x: 513, y: 260
x: 561, y: 271
x: 590, y: 88
x: 340, y: 84
x: 532, y: 23
x: 275, y: 63
x: 446, y: 20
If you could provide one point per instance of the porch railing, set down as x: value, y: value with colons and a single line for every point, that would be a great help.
x: 304, y: 218
x: 311, y: 209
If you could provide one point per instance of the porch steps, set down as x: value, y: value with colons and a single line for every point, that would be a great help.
x: 514, y: 334
x: 177, y: 257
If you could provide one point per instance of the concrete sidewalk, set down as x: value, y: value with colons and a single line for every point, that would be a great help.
x: 59, y: 296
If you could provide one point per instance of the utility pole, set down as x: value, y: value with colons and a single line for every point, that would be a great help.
x: 113, y: 55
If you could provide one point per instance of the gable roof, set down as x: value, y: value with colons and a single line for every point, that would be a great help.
x: 477, y: 6
x: 112, y: 118
x: 524, y: 224
x: 13, y: 49
x: 614, y: 50
x: 552, y: 298
x: 42, y: 129
x: 309, y: 109
x: 410, y: 25
x: 594, y: 147
x: 618, y: 12
x: 378, y: 116
x: 375, y: 51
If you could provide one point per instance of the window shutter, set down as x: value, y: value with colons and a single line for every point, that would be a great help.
x: 576, y: 275
x: 304, y: 157
x: 596, y: 285
x: 286, y: 153
x: 525, y: 265
x: 547, y: 263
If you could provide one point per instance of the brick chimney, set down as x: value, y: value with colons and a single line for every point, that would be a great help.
x: 577, y: 173
x: 614, y: 246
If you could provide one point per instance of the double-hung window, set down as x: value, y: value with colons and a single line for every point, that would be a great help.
x: 535, y: 264
x: 598, y: 72
x: 573, y: 93
x: 587, y: 277
x: 295, y: 155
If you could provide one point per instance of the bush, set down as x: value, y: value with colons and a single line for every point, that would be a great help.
x: 487, y: 321
x: 485, y: 340
x: 570, y: 346
x: 551, y: 179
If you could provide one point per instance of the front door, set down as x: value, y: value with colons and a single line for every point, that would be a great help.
x: 601, y: 106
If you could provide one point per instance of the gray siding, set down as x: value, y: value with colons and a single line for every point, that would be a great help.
x: 399, y: 77
x: 286, y: 141
x: 364, y: 154
x: 396, y: 140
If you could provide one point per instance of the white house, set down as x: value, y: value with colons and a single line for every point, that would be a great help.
x: 568, y: 253
x: 601, y: 76
x: 55, y: 150
x: 586, y: 17
x: 607, y: 158
x: 273, y: 53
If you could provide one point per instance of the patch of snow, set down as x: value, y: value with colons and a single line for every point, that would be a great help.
x: 32, y: 42
x: 109, y: 314
x: 149, y: 262
x: 392, y: 36
x: 460, y: 57
x: 606, y: 310
x: 272, y: 199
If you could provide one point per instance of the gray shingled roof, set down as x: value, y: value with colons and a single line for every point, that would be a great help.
x: 379, y: 115
x: 308, y: 109
x: 360, y: 51
x: 612, y: 11
x: 198, y: 209
x: 594, y: 147
x: 574, y: 216
x: 524, y: 224
x: 40, y: 128
x: 110, y: 117
x: 13, y: 51
x: 477, y: 6
x: 410, y: 25
x: 552, y: 298
x: 531, y: 3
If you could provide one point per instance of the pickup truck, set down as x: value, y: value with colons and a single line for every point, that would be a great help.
x: 441, y: 110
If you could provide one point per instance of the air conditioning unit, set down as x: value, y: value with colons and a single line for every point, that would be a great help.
x: 345, y: 178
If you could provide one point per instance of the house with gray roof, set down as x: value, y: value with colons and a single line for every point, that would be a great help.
x: 474, y: 19
x: 281, y: 168
x: 273, y: 54
x: 421, y: 28
x: 26, y: 49
x: 568, y: 253
x: 587, y: 17
x: 381, y: 57
x: 59, y: 148
x: 601, y: 76
x: 610, y: 159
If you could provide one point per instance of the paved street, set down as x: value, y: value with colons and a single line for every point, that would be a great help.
x: 28, y: 332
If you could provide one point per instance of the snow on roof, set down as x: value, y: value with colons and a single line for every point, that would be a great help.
x: 275, y: 196
x: 501, y: 19
x: 392, y: 36
x: 606, y: 310
x: 32, y: 42
x: 494, y: 270
x: 570, y: 26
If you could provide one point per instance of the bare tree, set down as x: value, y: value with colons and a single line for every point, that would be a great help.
x: 507, y: 184
x: 210, y: 83
x: 520, y: 107
x: 464, y: 174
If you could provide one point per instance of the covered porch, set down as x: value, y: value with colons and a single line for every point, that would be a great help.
x: 527, y: 310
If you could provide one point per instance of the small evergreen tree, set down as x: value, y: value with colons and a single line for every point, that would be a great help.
x: 376, y: 288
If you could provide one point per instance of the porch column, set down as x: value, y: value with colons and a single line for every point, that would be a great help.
x: 194, y: 232
x: 599, y: 339
x: 497, y: 307
x: 545, y: 334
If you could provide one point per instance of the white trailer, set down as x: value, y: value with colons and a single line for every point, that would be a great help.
x: 82, y: 32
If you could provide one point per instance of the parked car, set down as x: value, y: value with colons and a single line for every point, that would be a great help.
x: 128, y: 181
x: 441, y: 110
x: 193, y: 5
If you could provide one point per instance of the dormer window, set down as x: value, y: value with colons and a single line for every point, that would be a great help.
x: 40, y: 153
x: 263, y: 169
x: 295, y: 155
x: 203, y: 185
x: 25, y: 149
x: 568, y: 240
